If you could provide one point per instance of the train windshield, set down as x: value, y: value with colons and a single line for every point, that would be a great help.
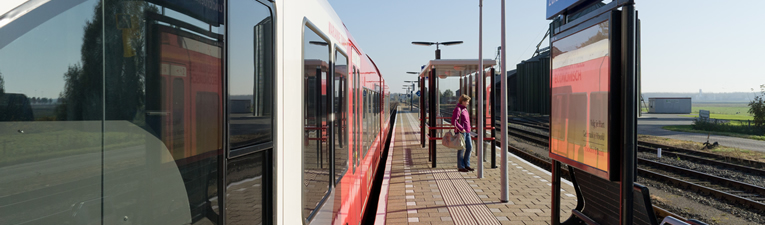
x: 112, y: 111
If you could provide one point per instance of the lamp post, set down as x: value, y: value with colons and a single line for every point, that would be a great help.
x: 411, y: 97
x: 406, y: 87
x: 409, y: 91
x: 504, y: 193
x: 438, y: 51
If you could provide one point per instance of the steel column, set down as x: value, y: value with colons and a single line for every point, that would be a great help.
x: 504, y: 193
x: 331, y: 119
x: 462, y: 85
x: 555, y: 207
x: 432, y: 115
x: 422, y: 113
x: 469, y: 86
x: 318, y: 117
x: 628, y: 87
x: 491, y: 121
x: 481, y: 100
x: 437, y: 104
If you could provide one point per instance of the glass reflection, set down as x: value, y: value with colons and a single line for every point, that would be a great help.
x: 250, y: 74
x: 50, y: 118
x: 162, y: 87
x: 341, y: 151
x: 245, y: 185
x: 114, y: 118
x: 315, y: 149
x: 341, y: 117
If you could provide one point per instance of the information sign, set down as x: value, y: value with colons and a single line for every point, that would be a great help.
x: 580, y: 81
x: 555, y: 7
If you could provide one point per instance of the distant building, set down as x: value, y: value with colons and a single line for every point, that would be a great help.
x: 670, y: 105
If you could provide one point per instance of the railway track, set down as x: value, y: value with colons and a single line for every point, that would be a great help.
x: 545, y: 163
x: 734, y: 192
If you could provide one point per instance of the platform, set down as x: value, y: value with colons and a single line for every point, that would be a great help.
x: 415, y: 193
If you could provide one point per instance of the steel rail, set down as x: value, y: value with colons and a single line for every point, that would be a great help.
x: 745, y: 162
x: 739, y: 168
x: 702, y: 189
x: 742, y: 188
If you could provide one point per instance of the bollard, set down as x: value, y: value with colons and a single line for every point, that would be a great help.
x: 658, y: 153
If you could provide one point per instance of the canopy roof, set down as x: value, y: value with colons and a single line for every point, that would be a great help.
x: 455, y: 67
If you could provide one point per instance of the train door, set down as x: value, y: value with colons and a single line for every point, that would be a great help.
x: 250, y: 119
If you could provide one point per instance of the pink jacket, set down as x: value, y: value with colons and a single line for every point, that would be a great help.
x: 464, y: 118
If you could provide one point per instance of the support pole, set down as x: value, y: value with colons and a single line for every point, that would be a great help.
x: 628, y: 86
x: 462, y: 84
x: 480, y: 99
x: 432, y: 115
x: 555, y: 207
x: 504, y: 193
x: 411, y: 98
x: 491, y: 121
x: 422, y: 113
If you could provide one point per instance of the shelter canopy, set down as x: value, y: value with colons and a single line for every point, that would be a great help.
x: 455, y: 67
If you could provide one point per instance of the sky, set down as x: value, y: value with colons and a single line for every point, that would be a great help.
x: 706, y: 45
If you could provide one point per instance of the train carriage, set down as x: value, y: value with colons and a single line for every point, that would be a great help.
x: 186, y: 112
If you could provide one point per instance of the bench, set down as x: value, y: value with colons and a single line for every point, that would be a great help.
x: 598, y: 202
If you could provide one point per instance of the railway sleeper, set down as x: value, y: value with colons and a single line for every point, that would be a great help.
x: 717, y: 194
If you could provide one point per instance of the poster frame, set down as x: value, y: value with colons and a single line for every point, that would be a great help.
x: 615, y: 115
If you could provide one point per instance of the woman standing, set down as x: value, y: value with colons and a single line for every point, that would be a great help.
x: 462, y: 126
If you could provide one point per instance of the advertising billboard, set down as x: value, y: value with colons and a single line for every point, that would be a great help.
x: 580, y: 85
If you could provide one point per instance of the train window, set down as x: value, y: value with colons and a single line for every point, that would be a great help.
x: 51, y: 114
x: 356, y: 126
x: 316, y: 153
x: 340, y: 112
x: 250, y: 71
x: 364, y: 125
x: 250, y: 77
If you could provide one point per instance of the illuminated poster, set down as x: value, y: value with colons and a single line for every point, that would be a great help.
x: 580, y: 98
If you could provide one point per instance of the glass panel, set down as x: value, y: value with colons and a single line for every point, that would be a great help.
x: 163, y: 94
x: 341, y: 152
x: 364, y: 120
x: 315, y: 149
x: 247, y: 181
x: 250, y: 74
x: 51, y: 116
x: 251, y: 99
x: 355, y: 130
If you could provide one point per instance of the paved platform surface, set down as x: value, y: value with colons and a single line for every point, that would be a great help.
x: 419, y: 194
x: 651, y: 124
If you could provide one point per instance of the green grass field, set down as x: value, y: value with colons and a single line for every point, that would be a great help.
x: 689, y: 128
x: 736, y: 113
x: 738, y: 109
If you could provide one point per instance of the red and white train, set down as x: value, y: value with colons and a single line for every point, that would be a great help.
x: 186, y: 112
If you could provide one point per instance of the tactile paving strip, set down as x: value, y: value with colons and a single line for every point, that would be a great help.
x: 479, y: 211
x: 463, y: 203
x: 457, y: 208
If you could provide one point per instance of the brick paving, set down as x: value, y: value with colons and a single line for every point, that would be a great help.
x: 419, y: 194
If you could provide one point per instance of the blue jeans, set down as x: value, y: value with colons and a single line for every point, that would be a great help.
x: 464, y: 160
